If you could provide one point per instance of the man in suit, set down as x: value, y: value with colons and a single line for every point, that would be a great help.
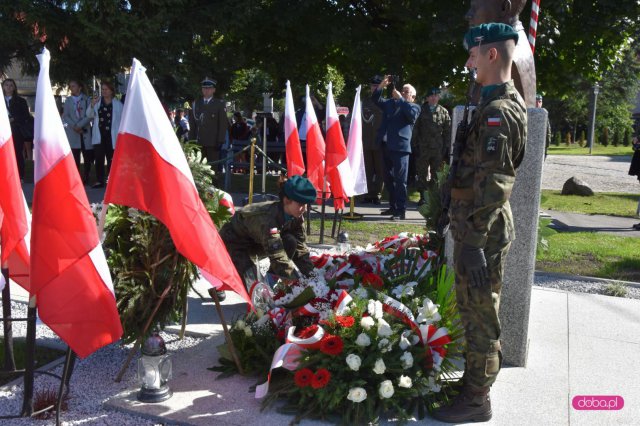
x: 399, y: 115
x: 208, y: 121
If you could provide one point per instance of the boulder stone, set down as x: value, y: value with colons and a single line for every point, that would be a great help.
x: 575, y: 186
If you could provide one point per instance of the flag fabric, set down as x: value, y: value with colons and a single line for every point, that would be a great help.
x: 337, y: 167
x: 295, y: 163
x: 69, y: 273
x: 354, y: 149
x: 15, y: 219
x: 150, y: 172
x: 315, y: 146
x: 533, y: 24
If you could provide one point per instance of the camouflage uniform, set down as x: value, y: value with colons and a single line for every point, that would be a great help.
x: 432, y: 135
x: 261, y: 230
x: 481, y: 217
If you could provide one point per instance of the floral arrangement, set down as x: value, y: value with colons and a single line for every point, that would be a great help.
x: 373, y: 331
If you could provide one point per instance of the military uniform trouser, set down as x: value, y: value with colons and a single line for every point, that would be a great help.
x: 374, y: 168
x: 478, y: 309
x: 428, y: 163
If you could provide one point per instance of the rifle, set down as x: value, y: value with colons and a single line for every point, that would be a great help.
x: 458, y: 146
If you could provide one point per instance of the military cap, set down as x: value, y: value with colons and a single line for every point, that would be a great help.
x: 538, y: 97
x: 208, y: 82
x: 489, y: 33
x: 300, y: 189
x: 376, y: 79
x: 434, y: 91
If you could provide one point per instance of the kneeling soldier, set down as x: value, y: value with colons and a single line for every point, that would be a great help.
x: 273, y: 229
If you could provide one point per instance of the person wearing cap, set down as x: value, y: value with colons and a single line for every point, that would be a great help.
x: 481, y: 220
x: 432, y: 136
x: 547, y: 141
x: 273, y: 229
x: 208, y: 122
x: 399, y: 114
x: 371, y: 147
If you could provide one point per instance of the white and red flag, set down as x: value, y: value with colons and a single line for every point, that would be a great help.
x: 69, y: 273
x: 315, y: 146
x: 15, y: 219
x: 337, y: 164
x: 295, y: 163
x: 533, y: 24
x: 150, y: 173
x: 354, y: 149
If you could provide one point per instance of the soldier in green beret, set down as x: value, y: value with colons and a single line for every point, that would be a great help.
x: 481, y: 220
x: 273, y: 229
x: 432, y: 137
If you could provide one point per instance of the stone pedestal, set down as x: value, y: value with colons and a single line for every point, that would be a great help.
x: 521, y: 261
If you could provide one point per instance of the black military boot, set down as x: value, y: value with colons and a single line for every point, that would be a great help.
x: 473, y: 404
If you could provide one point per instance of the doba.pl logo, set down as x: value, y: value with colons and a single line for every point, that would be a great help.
x: 597, y: 402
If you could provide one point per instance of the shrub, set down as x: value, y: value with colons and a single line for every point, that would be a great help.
x: 626, y: 141
x: 567, y: 139
x: 616, y: 138
x: 583, y: 139
x: 557, y: 139
x: 604, y: 138
x: 615, y: 289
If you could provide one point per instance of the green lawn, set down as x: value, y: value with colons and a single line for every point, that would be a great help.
x: 362, y: 232
x: 575, y: 149
x: 43, y: 357
x: 607, y: 203
x: 592, y: 254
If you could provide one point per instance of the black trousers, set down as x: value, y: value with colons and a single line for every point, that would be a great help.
x: 102, y: 151
x: 18, y: 145
x: 87, y: 156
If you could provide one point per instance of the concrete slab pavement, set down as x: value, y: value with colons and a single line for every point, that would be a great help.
x: 575, y: 222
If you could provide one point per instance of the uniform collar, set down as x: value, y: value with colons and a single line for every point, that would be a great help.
x: 495, y: 90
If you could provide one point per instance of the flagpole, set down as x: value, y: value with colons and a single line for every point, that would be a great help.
x: 213, y: 292
x: 29, y: 359
x: 252, y: 163
x: 133, y: 350
x: 64, y: 380
x: 324, y: 187
x: 352, y: 215
x: 9, y: 359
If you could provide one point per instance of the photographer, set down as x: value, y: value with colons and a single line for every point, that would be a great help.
x: 399, y: 114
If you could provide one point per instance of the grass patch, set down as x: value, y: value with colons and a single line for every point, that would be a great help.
x: 607, y: 203
x: 592, y: 254
x: 598, y: 149
x: 44, y: 356
x: 363, y: 232
x: 615, y: 290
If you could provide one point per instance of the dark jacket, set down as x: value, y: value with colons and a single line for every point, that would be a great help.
x: 208, y: 123
x: 398, y: 119
x: 21, y: 122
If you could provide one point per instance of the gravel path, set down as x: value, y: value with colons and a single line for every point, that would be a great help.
x: 602, y: 173
x: 91, y: 384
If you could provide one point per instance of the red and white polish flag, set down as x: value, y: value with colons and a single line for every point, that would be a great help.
x: 69, y: 273
x: 315, y: 146
x: 337, y: 169
x: 295, y: 163
x: 150, y: 173
x: 354, y: 149
x: 15, y: 219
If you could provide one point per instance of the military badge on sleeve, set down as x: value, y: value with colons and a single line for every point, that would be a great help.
x: 492, y: 145
x: 494, y: 121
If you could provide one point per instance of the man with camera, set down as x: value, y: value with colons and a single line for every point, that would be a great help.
x: 399, y: 114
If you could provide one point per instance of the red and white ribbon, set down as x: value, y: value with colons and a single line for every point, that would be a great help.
x: 342, y: 303
x: 286, y: 357
x: 533, y: 24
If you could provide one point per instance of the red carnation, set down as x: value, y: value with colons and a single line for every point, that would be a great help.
x: 346, y: 322
x: 303, y: 377
x: 372, y: 280
x: 307, y: 332
x: 331, y: 345
x: 320, y: 379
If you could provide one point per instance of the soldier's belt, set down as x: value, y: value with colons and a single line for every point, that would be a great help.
x: 462, y: 194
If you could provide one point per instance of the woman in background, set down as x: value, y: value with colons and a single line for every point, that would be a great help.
x: 106, y: 112
x: 78, y: 127
x: 20, y: 119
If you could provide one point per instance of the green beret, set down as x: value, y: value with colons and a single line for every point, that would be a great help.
x: 489, y: 33
x: 300, y: 189
x: 434, y: 91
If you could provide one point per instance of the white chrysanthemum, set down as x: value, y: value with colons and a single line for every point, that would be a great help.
x: 386, y: 389
x: 384, y: 329
x: 240, y: 324
x: 357, y: 394
x: 354, y: 362
x: 363, y: 340
x: 379, y: 367
x: 367, y: 322
x: 404, y: 342
x: 248, y: 332
x: 405, y: 382
x: 360, y: 293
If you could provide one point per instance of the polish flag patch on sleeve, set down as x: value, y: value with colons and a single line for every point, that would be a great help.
x: 494, y: 121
